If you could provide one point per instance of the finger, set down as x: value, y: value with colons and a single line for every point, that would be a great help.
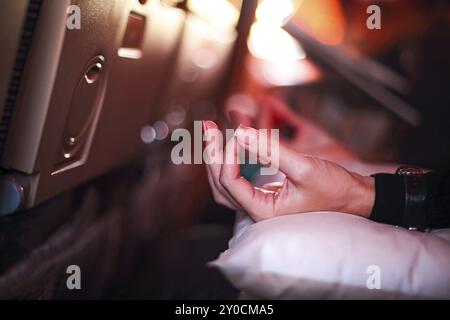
x: 257, y: 202
x: 218, y: 196
x: 214, y: 162
x: 270, y: 151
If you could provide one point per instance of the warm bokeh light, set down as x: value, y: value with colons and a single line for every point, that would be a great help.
x: 273, y: 43
x: 324, y: 19
x: 274, y: 12
x: 283, y: 73
x: 267, y: 40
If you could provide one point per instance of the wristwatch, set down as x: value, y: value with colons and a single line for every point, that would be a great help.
x: 414, y: 210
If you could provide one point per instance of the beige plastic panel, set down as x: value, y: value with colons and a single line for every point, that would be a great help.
x: 58, y: 62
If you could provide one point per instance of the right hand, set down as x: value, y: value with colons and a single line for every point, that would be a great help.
x: 311, y: 184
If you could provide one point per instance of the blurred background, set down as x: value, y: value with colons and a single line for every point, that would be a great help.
x: 86, y: 176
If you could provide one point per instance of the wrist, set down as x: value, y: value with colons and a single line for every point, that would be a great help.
x: 362, y: 197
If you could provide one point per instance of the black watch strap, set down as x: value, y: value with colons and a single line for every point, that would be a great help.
x: 414, y: 211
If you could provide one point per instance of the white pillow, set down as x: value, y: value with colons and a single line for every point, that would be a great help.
x: 334, y: 256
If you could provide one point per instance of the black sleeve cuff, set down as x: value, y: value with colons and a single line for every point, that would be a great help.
x: 438, y: 199
x: 389, y: 199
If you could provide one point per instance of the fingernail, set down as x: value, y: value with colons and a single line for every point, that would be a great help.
x: 208, y: 124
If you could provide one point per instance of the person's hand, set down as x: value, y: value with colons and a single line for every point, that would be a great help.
x: 311, y: 184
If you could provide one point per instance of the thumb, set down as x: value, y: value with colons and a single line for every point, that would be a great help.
x: 265, y: 145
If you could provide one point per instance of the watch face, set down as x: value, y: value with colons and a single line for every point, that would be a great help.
x: 409, y: 171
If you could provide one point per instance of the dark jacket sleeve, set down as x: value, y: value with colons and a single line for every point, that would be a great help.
x: 390, y: 197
